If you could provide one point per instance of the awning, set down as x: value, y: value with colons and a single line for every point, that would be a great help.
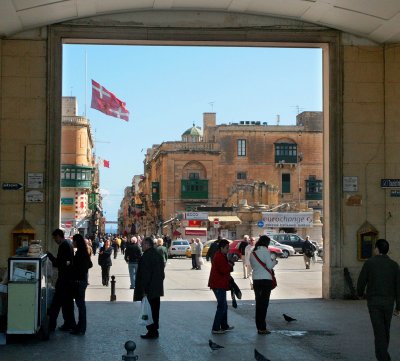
x: 195, y: 231
x: 234, y: 219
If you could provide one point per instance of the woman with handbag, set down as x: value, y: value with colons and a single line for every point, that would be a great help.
x: 221, y: 269
x: 263, y: 281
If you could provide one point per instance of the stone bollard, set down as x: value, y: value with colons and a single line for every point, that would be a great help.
x: 130, y: 347
x: 113, y: 297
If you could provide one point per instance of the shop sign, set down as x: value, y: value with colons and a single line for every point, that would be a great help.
x: 196, y: 215
x: 287, y: 220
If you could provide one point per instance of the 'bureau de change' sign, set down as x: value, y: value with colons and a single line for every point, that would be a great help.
x: 292, y: 220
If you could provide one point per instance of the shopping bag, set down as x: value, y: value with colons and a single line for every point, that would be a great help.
x: 145, y: 316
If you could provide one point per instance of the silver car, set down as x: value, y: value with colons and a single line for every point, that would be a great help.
x: 178, y: 248
x: 286, y: 250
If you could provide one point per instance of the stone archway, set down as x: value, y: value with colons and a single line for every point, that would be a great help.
x: 262, y: 32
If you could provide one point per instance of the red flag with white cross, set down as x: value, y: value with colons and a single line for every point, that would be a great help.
x: 107, y: 103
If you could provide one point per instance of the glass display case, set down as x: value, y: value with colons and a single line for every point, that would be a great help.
x: 28, y: 295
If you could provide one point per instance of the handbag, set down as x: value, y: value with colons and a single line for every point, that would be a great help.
x: 145, y: 316
x: 271, y: 272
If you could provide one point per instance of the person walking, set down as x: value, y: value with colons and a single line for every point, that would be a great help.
x: 193, y: 253
x: 105, y: 261
x: 260, y: 261
x: 381, y: 276
x: 247, y: 252
x: 63, y: 295
x: 80, y: 269
x: 124, y: 242
x: 95, y: 243
x: 132, y: 256
x: 242, y: 248
x: 308, y: 250
x: 199, y: 251
x: 162, y: 250
x: 219, y: 283
x: 150, y: 283
x: 115, y: 247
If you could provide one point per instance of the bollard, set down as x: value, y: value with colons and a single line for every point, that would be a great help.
x: 113, y: 297
x: 130, y: 347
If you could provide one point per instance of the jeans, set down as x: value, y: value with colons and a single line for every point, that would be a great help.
x: 80, y: 290
x: 132, y: 266
x: 194, y: 265
x: 221, y: 315
x: 262, y: 292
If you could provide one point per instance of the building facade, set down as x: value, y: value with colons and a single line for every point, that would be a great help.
x: 80, y: 198
x: 227, y: 165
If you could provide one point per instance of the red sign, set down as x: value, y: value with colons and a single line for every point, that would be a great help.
x: 194, y: 223
x: 68, y: 224
x: 195, y: 232
x: 216, y: 221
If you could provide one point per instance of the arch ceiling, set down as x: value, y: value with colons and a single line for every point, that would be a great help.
x: 377, y: 20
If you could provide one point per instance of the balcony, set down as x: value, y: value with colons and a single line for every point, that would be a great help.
x: 75, y: 176
x: 194, y: 189
x: 313, y: 190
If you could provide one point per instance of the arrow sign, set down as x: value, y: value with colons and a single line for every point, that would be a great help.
x: 12, y: 186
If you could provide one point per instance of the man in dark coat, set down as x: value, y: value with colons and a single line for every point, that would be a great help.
x: 63, y: 295
x: 381, y: 276
x: 150, y: 283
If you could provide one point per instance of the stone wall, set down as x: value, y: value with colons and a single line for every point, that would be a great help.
x: 22, y: 124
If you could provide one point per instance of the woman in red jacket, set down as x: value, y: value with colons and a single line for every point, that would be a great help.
x: 219, y: 283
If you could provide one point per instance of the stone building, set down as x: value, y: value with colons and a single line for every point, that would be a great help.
x: 223, y: 165
x: 80, y: 199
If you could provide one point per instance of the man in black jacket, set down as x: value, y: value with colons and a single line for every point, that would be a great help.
x: 63, y: 295
x: 150, y: 283
x: 381, y: 276
x: 133, y: 254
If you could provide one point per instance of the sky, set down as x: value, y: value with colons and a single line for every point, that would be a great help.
x: 168, y: 88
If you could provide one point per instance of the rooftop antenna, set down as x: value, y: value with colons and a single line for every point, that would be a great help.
x: 212, y: 106
x: 298, y: 108
x: 278, y: 119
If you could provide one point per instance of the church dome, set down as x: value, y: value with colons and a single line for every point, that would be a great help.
x: 193, y: 134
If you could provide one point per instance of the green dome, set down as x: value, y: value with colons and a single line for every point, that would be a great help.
x: 194, y: 131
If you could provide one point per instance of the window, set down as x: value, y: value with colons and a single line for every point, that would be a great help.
x: 241, y: 147
x: 241, y: 175
x: 286, y: 153
x: 194, y: 175
x: 313, y: 188
x: 286, y: 183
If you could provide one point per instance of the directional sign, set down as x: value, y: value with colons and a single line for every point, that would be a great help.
x: 12, y: 186
x: 260, y: 224
x: 390, y: 183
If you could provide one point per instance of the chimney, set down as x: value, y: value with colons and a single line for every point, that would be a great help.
x: 209, y: 121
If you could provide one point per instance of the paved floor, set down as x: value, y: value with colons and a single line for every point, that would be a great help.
x: 325, y: 330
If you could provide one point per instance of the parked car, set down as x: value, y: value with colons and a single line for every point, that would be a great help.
x: 178, y: 248
x: 206, y: 247
x: 286, y: 250
x: 320, y: 249
x: 290, y: 239
x: 235, y: 255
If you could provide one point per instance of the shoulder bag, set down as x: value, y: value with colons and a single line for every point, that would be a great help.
x: 271, y: 272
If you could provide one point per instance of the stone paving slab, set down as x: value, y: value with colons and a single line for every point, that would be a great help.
x: 326, y: 329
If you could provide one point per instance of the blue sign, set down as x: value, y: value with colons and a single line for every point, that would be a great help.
x: 390, y: 183
x: 260, y: 224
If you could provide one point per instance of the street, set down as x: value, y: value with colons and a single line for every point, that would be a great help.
x: 184, y: 284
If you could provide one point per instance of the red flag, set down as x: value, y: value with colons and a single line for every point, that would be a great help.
x: 106, y: 163
x: 106, y: 102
